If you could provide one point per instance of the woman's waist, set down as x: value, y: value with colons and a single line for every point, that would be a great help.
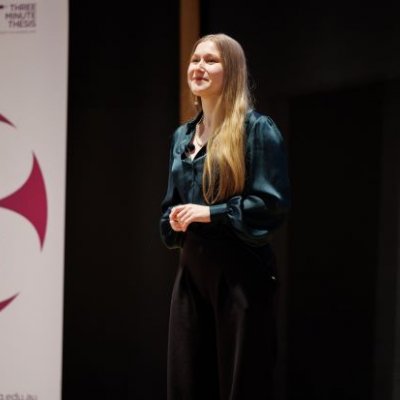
x: 222, y: 235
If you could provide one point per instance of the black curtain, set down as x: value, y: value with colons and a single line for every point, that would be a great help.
x: 123, y: 107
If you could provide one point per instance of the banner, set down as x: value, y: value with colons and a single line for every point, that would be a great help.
x: 33, y: 116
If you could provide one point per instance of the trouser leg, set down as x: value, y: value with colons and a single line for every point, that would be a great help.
x: 192, y: 359
x: 246, y: 334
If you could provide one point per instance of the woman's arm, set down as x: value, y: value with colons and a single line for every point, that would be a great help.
x: 264, y: 204
x: 171, y: 232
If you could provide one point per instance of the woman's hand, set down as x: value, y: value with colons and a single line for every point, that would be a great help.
x: 183, y: 215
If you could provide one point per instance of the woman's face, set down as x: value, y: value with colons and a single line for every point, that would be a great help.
x: 205, y: 72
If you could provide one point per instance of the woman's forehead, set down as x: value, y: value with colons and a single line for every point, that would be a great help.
x: 206, y: 47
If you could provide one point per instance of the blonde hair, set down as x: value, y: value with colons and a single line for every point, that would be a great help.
x: 224, y: 168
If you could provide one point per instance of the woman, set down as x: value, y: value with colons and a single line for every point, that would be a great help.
x: 227, y: 193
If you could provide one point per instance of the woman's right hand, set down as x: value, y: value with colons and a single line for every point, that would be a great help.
x: 174, y: 222
x: 176, y: 226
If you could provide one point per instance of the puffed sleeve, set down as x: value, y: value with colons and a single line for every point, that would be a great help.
x: 169, y: 237
x: 262, y: 207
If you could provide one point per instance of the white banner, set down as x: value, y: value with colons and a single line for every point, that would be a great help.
x: 33, y: 114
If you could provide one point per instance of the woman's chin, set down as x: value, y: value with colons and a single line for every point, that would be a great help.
x: 199, y: 90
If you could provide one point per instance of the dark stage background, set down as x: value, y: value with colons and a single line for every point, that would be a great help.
x: 329, y: 75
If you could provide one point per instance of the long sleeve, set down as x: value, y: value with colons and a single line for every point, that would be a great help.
x: 262, y: 207
x: 170, y: 238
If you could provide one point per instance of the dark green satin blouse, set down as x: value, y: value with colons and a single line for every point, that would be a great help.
x: 250, y: 217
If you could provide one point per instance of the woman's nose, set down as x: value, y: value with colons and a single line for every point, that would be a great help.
x: 200, y: 64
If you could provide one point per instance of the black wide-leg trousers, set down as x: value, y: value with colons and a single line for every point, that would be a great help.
x: 222, y: 330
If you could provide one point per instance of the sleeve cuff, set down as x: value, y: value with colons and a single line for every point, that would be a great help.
x: 218, y: 212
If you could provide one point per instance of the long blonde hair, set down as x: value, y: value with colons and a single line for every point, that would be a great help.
x: 224, y: 169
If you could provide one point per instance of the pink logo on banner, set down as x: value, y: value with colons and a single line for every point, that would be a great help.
x: 29, y: 201
x: 5, y: 303
x: 5, y: 120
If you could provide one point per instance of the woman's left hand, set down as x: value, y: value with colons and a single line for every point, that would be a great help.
x: 185, y: 214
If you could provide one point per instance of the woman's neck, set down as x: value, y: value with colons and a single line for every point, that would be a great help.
x: 209, y: 113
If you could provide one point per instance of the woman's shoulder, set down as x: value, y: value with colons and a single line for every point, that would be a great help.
x: 259, y: 124
x: 181, y: 136
x: 185, y: 128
